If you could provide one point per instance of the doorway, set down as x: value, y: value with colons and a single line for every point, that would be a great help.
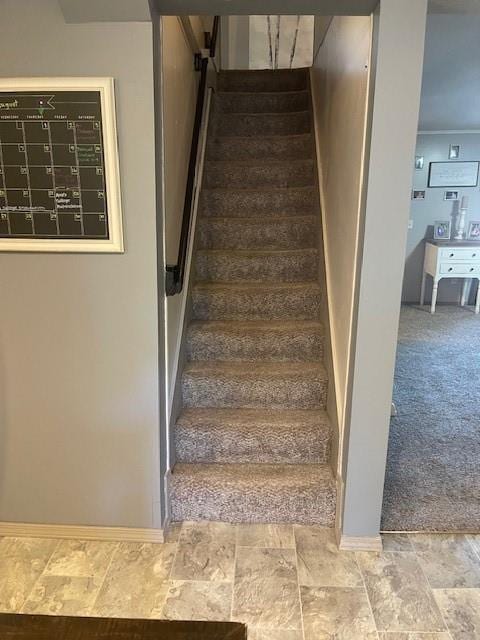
x: 432, y: 480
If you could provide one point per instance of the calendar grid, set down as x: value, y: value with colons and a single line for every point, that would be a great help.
x: 53, y: 168
x: 53, y: 173
x: 4, y: 187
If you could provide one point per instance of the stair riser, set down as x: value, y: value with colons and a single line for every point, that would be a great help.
x: 281, y: 148
x: 262, y: 102
x: 235, y: 124
x: 234, y: 176
x: 231, y: 267
x: 274, y: 346
x: 293, y: 233
x: 267, y: 444
x: 260, y: 81
x: 231, y: 504
x: 241, y: 203
x: 274, y: 392
x: 275, y: 305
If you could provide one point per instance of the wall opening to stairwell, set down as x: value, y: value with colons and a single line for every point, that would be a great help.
x: 251, y: 437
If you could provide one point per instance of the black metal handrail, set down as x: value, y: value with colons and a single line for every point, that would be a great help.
x: 175, y: 273
x: 213, y: 37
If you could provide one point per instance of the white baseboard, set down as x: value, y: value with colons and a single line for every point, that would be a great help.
x: 360, y: 543
x: 67, y: 531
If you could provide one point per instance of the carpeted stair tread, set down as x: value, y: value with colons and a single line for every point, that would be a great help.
x: 262, y: 101
x: 244, y: 341
x: 279, y: 80
x: 231, y: 265
x: 248, y: 173
x: 252, y: 435
x: 303, y: 494
x: 255, y: 369
x: 252, y: 439
x: 278, y: 385
x: 263, y: 124
x: 285, y: 232
x: 258, y: 202
x: 253, y: 301
x: 268, y: 148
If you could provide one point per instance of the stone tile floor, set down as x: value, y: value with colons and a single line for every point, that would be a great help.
x: 285, y: 582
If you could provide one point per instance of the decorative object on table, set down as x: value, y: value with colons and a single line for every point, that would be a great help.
x: 453, y: 174
x: 452, y: 260
x: 442, y: 230
x: 460, y: 222
x: 454, y: 152
x: 418, y: 195
x: 474, y: 230
x: 419, y: 162
x: 451, y: 195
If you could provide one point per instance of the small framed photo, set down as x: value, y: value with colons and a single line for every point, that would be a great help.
x: 442, y: 230
x: 451, y: 195
x: 474, y: 230
x: 419, y: 162
x: 454, y: 152
x: 418, y: 195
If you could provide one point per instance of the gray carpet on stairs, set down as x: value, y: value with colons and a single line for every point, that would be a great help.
x: 253, y: 439
x: 433, y: 470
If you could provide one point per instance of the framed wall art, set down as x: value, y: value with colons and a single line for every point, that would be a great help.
x: 59, y: 168
x: 453, y: 174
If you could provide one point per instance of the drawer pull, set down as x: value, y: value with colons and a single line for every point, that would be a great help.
x: 451, y: 269
x: 451, y: 255
x: 474, y: 255
x: 472, y: 269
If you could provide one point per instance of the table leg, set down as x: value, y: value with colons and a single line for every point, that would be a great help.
x: 434, y: 296
x: 477, y: 302
x: 422, y: 292
x: 465, y: 291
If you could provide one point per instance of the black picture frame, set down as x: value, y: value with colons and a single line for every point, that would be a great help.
x: 453, y: 184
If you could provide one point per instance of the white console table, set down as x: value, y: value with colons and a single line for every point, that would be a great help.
x: 451, y: 259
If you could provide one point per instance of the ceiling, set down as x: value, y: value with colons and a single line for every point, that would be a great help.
x: 138, y: 10
x: 451, y: 76
x: 296, y: 7
x: 266, y: 7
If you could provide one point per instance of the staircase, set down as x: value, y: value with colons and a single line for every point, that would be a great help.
x: 253, y: 440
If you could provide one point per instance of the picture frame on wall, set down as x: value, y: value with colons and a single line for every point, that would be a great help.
x: 451, y: 195
x: 454, y: 152
x: 453, y: 174
x: 418, y: 194
x: 68, y: 199
x: 442, y: 230
x: 474, y: 230
x: 419, y: 162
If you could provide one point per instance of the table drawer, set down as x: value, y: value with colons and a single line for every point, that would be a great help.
x: 460, y: 269
x: 462, y: 253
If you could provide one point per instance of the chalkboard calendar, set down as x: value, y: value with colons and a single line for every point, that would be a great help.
x: 59, y: 177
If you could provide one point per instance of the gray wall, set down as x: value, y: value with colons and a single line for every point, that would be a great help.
x: 234, y: 42
x: 434, y: 148
x: 451, y: 82
x: 79, y: 381
x: 105, y: 10
x: 399, y: 61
